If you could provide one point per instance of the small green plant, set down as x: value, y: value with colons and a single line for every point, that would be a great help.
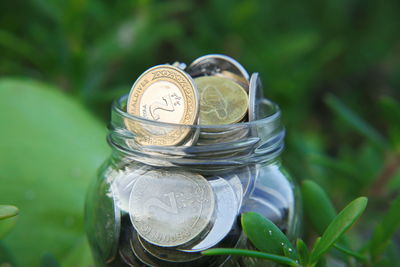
x: 273, y: 245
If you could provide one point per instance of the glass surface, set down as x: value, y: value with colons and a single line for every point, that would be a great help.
x: 155, y: 205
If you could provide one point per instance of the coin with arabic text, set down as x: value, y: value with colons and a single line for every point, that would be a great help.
x: 171, y: 208
x: 222, y: 100
x: 163, y: 93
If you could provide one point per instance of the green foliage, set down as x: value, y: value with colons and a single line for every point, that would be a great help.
x: 385, y: 230
x: 251, y: 253
x: 340, y: 224
x: 265, y: 235
x: 273, y: 242
x: 319, y: 208
x: 53, y: 149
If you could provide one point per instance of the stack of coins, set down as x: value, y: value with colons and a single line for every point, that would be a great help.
x: 214, y: 90
x: 166, y: 216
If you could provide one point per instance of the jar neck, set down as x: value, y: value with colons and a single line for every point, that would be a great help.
x: 235, y: 144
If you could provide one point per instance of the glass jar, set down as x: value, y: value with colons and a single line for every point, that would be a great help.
x: 155, y: 205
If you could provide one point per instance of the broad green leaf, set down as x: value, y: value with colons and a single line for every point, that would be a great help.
x: 302, y: 249
x: 317, y: 205
x: 7, y: 225
x: 351, y: 118
x: 385, y: 230
x: 7, y: 211
x: 342, y: 222
x: 265, y: 235
x: 251, y: 253
x: 53, y: 149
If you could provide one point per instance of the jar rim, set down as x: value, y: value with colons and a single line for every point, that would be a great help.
x: 275, y: 114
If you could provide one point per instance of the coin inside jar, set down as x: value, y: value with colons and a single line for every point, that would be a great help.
x: 222, y: 101
x: 171, y: 208
x: 163, y: 93
x: 213, y: 64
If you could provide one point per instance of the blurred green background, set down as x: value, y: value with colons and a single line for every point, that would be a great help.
x: 333, y: 66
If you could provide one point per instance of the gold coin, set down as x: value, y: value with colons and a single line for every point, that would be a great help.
x: 163, y: 93
x: 222, y: 101
x: 234, y: 77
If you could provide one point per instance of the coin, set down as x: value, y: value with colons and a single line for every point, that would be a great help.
x: 163, y: 93
x: 227, y: 208
x: 222, y: 101
x: 237, y: 185
x: 256, y: 94
x: 125, y: 250
x: 168, y: 254
x: 234, y: 77
x: 216, y: 63
x: 171, y: 208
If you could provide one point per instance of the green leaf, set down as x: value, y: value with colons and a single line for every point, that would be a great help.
x: 251, y: 253
x: 7, y: 211
x: 351, y: 118
x: 385, y: 230
x: 7, y: 225
x: 342, y: 222
x: 304, y: 254
x: 53, y: 149
x: 317, y: 205
x: 265, y: 235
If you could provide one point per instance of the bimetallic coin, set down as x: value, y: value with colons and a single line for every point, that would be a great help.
x: 171, y: 208
x: 163, y: 93
x: 216, y: 63
x: 222, y: 100
x: 227, y: 208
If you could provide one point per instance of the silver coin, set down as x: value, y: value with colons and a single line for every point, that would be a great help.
x: 227, y: 207
x: 256, y: 94
x: 171, y: 208
x: 237, y: 186
x: 216, y: 63
x: 125, y: 250
x: 168, y: 254
x: 142, y: 254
